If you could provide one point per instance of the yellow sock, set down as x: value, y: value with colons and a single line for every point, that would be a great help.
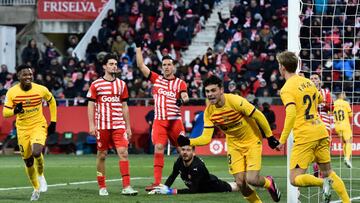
x: 347, y: 150
x: 267, y: 183
x: 339, y: 187
x: 253, y: 198
x: 31, y: 173
x: 305, y: 180
x: 39, y: 162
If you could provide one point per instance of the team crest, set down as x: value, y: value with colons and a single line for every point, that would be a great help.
x: 28, y: 102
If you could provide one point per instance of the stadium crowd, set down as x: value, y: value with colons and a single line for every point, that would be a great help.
x: 243, y: 56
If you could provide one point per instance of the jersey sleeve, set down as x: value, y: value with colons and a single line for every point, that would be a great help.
x: 242, y: 105
x: 125, y: 94
x: 207, y: 122
x: 287, y: 98
x: 153, y: 76
x: 183, y: 86
x: 91, y: 95
x: 349, y: 110
x: 46, y: 94
x: 8, y: 103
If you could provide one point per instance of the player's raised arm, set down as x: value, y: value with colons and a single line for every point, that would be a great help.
x: 139, y: 58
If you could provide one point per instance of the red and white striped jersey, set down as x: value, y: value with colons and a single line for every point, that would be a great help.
x: 108, y: 97
x: 165, y: 93
x: 325, y: 107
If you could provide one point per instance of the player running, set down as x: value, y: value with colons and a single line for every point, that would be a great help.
x: 108, y: 97
x: 25, y: 101
x: 242, y: 124
x: 343, y: 114
x: 311, y: 139
x: 169, y: 93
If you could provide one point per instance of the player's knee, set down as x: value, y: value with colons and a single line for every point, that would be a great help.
x: 36, y: 153
x: 240, y: 182
x: 29, y: 161
x: 292, y: 182
x: 159, y: 147
x: 101, y: 156
x: 123, y: 154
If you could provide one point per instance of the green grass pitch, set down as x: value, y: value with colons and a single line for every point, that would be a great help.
x: 72, y: 179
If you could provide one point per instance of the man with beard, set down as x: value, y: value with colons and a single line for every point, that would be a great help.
x: 195, y: 175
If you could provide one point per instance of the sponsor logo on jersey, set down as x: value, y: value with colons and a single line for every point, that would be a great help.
x: 166, y: 93
x: 110, y: 99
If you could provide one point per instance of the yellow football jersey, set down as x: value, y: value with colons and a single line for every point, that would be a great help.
x: 342, y: 113
x: 233, y: 118
x: 302, y: 93
x: 32, y: 104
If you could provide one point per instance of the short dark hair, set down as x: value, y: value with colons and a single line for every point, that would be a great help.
x: 21, y: 67
x: 108, y: 57
x: 167, y: 57
x: 213, y: 80
x: 289, y: 60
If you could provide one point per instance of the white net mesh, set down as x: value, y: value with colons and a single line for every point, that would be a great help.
x: 330, y: 41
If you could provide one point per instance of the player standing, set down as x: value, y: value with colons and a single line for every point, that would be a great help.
x: 25, y: 101
x: 311, y: 139
x: 324, y: 109
x: 169, y: 93
x: 343, y: 114
x: 108, y: 97
x: 242, y: 124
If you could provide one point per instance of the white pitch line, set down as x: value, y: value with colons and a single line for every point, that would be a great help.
x: 339, y: 201
x: 87, y: 182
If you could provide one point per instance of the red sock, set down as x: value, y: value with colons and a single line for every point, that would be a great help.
x: 124, y: 171
x: 101, y: 181
x: 158, y: 166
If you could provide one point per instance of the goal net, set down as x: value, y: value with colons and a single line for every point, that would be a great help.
x: 327, y: 40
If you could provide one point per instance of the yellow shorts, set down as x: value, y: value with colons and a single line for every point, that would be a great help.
x: 27, y: 137
x: 302, y: 155
x: 247, y: 158
x: 345, y: 134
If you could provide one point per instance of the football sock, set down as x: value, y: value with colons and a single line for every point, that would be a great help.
x: 339, y: 187
x: 347, y: 150
x: 124, y: 171
x: 32, y: 175
x: 253, y: 198
x: 158, y: 166
x: 267, y: 183
x: 39, y: 163
x: 101, y: 180
x: 305, y: 180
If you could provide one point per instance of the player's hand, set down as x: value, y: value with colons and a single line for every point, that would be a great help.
x: 128, y: 133
x: 51, y: 128
x: 92, y: 130
x: 279, y: 147
x: 183, y: 141
x: 273, y: 142
x: 179, y: 102
x: 164, y: 190
x: 138, y: 41
x: 18, y: 108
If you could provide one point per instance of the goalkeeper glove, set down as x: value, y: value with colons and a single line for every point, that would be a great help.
x: 51, y: 128
x: 164, y: 190
x: 183, y: 141
x: 273, y: 142
x: 18, y: 108
x: 179, y: 102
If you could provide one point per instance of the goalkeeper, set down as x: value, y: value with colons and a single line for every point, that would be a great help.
x: 195, y: 176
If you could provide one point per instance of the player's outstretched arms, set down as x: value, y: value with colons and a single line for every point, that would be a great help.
x: 139, y: 58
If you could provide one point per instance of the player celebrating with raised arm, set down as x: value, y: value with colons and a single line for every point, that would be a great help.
x: 108, y: 97
x: 195, y: 176
x: 343, y: 114
x: 242, y: 124
x: 169, y: 93
x: 25, y: 101
x: 311, y: 140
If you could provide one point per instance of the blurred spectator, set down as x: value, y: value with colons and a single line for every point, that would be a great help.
x: 30, y: 54
x: 270, y: 115
x: 3, y: 73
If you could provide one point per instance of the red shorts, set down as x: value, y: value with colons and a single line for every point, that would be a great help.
x: 163, y: 130
x: 110, y: 138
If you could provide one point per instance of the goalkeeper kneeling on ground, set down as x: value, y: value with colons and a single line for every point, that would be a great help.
x: 195, y: 176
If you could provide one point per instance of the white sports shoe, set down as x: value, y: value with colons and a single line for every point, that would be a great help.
x: 43, y: 184
x: 327, y: 190
x: 347, y: 162
x: 129, y: 191
x: 35, y: 195
x: 103, y: 192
